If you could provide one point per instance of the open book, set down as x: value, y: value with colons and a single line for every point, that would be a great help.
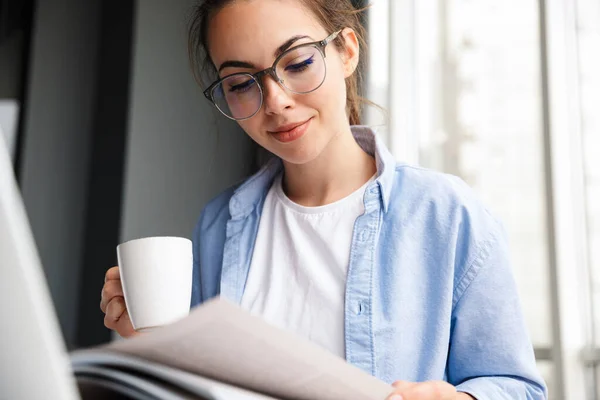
x: 220, y: 352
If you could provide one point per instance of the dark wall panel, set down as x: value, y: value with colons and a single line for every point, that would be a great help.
x: 105, y: 183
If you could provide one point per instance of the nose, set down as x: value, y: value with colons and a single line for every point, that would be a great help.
x: 276, y: 97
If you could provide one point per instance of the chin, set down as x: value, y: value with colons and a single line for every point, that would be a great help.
x: 298, y: 152
x: 298, y: 156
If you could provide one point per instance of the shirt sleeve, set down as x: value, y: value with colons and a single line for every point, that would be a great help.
x: 491, y: 356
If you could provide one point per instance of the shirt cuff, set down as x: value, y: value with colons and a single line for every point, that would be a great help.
x: 501, y: 388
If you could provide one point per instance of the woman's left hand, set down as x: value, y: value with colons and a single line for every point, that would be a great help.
x: 433, y: 390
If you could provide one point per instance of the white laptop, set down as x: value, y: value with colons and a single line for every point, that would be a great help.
x: 34, y: 363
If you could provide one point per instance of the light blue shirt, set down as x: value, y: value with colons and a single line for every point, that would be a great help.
x: 429, y: 292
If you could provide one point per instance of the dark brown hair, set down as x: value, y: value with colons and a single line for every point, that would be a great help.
x: 333, y: 15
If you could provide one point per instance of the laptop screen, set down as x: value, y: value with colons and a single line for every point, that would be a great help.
x: 34, y: 362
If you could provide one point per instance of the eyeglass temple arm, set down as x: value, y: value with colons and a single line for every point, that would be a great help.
x: 329, y: 38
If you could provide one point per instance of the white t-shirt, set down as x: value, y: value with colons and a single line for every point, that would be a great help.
x: 297, y: 277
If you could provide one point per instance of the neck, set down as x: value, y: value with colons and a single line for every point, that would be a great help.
x: 340, y: 169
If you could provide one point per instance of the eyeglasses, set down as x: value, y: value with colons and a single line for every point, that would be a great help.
x: 301, y: 69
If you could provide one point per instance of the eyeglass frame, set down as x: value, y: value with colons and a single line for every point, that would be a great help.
x: 258, y: 76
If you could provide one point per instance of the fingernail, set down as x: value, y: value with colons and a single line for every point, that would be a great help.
x: 396, y: 397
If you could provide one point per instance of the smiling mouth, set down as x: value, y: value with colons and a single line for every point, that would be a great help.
x: 291, y: 132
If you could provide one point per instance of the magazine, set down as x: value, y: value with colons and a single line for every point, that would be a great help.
x: 221, y: 351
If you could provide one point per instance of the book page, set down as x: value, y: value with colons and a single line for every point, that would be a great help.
x: 139, y: 373
x: 219, y: 340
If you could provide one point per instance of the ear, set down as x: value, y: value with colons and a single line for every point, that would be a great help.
x: 351, y: 54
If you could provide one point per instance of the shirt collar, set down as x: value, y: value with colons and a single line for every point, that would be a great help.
x: 372, y: 144
x: 253, y: 190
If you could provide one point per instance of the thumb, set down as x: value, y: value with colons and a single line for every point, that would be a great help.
x: 403, y: 385
x: 400, y: 387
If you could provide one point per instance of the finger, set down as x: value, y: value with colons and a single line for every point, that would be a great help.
x: 125, y: 327
x: 111, y: 289
x: 395, y: 396
x: 400, y: 387
x: 119, y: 320
x: 114, y: 311
x: 403, y: 385
x: 434, y: 390
x: 112, y: 273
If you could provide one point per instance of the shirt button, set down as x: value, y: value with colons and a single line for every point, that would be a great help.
x: 374, y: 190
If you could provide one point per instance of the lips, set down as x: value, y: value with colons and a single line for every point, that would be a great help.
x: 290, y: 132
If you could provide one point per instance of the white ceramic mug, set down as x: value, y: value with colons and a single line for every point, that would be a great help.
x: 156, y: 274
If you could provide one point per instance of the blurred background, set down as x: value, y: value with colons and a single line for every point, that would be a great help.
x: 112, y: 140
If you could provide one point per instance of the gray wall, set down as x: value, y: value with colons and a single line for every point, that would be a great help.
x: 180, y: 153
x: 57, y: 132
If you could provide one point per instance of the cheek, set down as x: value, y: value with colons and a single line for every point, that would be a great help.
x: 332, y: 95
x: 336, y: 81
x: 330, y: 98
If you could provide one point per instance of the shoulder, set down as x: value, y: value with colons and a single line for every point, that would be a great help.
x: 418, y: 182
x: 449, y: 216
x: 244, y: 195
x: 215, y: 213
x: 437, y: 195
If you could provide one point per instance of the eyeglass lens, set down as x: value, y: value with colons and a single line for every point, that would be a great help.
x: 300, y: 70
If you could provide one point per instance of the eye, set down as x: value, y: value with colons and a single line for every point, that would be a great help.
x: 301, y: 66
x: 242, y: 87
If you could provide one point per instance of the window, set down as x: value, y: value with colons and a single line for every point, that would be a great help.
x: 474, y: 69
x: 492, y: 92
x: 588, y: 34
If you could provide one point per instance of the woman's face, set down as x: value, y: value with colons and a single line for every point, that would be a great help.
x: 295, y: 127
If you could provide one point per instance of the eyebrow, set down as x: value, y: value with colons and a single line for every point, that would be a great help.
x: 245, y: 64
x: 289, y: 44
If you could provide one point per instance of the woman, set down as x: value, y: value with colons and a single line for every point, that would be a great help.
x: 397, y: 269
